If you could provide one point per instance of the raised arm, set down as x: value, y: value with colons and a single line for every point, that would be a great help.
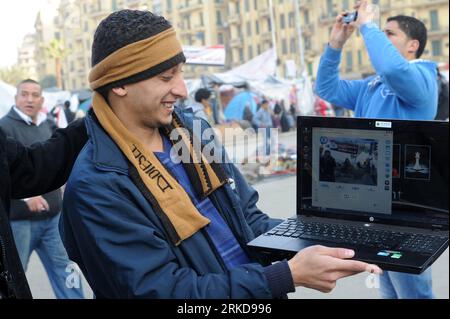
x: 45, y: 166
x: 414, y: 83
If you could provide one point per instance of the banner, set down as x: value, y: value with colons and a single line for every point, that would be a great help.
x: 211, y: 55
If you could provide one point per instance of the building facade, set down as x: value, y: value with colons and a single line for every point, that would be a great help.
x: 246, y: 28
x: 26, y: 57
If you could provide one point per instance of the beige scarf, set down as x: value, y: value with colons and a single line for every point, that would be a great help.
x: 170, y: 195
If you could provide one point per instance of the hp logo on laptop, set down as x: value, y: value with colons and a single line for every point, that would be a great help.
x: 371, y: 219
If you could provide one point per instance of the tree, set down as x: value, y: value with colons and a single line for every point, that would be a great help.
x: 48, y: 81
x: 12, y: 75
x: 57, y: 51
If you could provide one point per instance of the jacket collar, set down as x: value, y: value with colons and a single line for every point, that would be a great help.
x: 106, y: 155
x: 18, y: 115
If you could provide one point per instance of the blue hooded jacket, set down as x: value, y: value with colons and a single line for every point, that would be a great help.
x: 401, y: 89
x: 112, y: 232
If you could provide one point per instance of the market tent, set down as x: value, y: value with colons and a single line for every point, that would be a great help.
x: 235, y: 108
x: 86, y: 105
x: 7, y: 93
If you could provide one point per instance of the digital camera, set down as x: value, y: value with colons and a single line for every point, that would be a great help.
x: 350, y: 17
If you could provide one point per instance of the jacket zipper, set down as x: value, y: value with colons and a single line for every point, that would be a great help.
x: 5, y: 274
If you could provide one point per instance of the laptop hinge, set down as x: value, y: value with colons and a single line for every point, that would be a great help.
x: 438, y: 227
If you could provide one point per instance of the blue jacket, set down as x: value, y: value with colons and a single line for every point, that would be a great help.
x: 111, y: 231
x: 401, y: 89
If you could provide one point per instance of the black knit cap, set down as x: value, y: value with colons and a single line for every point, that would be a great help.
x: 122, y: 28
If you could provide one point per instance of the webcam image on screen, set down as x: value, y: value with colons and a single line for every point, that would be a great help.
x: 348, y: 160
x: 417, y: 162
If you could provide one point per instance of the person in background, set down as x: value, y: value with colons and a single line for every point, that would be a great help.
x: 34, y: 220
x: 263, y: 120
x: 442, y: 110
x: 202, y: 106
x: 59, y: 115
x: 404, y: 87
x: 70, y: 116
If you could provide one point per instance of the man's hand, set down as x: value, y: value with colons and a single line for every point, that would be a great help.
x: 341, y: 32
x: 319, y: 267
x: 37, y: 204
x: 366, y: 13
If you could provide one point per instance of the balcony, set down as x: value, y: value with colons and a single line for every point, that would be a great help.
x: 266, y: 37
x: 263, y: 13
x: 328, y: 18
x: 305, y: 4
x: 96, y: 12
x: 185, y: 9
x: 186, y: 32
x: 236, y: 43
x: 387, y: 7
x: 234, y: 19
x: 308, y: 29
x: 437, y: 31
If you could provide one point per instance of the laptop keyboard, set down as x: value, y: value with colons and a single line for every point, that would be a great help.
x: 354, y: 235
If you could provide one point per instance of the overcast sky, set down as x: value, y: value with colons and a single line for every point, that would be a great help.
x: 17, y: 18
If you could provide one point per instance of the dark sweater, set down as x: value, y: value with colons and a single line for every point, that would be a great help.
x: 14, y: 126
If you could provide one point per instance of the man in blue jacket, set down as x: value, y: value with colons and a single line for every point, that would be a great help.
x: 146, y: 214
x: 404, y: 87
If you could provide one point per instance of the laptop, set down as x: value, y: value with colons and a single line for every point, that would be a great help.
x: 380, y: 187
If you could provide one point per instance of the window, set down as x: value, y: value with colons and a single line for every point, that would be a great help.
x: 359, y: 57
x: 257, y: 27
x: 284, y: 46
x: 255, y: 4
x: 249, y: 28
x: 282, y: 21
x: 307, y: 43
x: 310, y: 68
x: 434, y: 19
x: 293, y: 46
x: 436, y: 47
x: 345, y: 5
x: 349, y: 61
x: 330, y: 7
x: 219, y: 18
x: 201, y: 37
x: 250, y: 52
x: 220, y: 38
x: 306, y: 16
x: 247, y: 5
x: 291, y: 20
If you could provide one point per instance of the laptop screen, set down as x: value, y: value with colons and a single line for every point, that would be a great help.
x: 392, y: 171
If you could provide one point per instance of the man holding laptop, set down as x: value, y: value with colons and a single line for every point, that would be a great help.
x: 403, y: 88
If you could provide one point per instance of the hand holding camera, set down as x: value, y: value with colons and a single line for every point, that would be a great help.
x: 346, y: 22
x: 365, y: 13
